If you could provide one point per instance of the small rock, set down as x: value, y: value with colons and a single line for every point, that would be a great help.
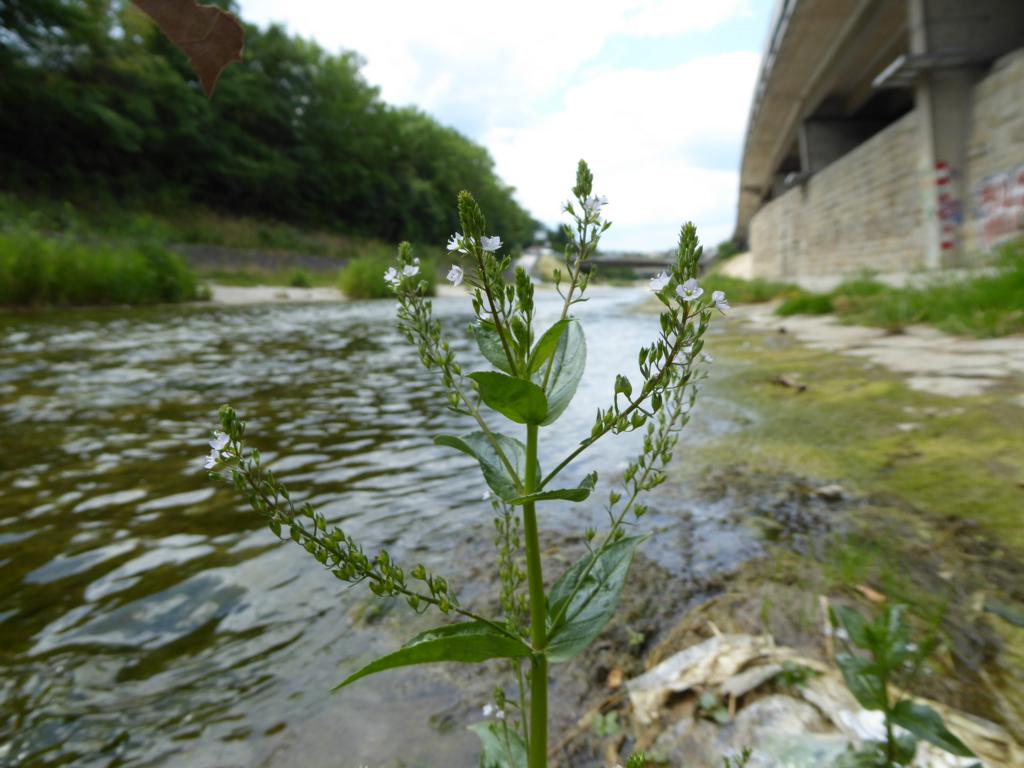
x: 615, y: 677
x: 832, y: 492
x: 908, y: 426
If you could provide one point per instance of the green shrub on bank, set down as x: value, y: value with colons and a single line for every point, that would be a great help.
x: 740, y: 291
x: 363, y: 277
x: 979, y: 305
x: 36, y: 270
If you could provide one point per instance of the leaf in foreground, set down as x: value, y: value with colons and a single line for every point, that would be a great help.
x: 210, y: 37
x: 501, y: 746
x: 585, y: 614
x: 925, y: 723
x: 468, y: 642
x: 496, y: 474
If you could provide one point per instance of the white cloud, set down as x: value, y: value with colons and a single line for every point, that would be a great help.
x: 642, y: 132
x: 525, y: 79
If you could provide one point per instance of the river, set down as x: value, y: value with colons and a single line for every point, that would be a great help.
x: 146, y: 615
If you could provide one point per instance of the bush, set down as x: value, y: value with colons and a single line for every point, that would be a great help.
x: 301, y: 279
x: 363, y: 277
x: 36, y: 270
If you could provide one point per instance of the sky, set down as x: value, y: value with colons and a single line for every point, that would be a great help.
x: 653, y: 94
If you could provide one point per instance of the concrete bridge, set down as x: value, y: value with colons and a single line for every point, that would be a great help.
x: 884, y: 134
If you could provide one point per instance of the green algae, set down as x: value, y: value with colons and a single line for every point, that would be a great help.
x: 933, y: 501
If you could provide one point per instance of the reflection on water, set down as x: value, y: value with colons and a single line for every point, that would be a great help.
x: 146, y: 617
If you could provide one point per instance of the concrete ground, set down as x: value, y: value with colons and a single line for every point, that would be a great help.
x: 270, y: 294
x: 930, y: 360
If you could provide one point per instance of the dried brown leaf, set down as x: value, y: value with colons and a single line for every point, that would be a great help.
x: 210, y: 37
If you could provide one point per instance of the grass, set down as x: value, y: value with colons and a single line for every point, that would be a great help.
x: 985, y: 305
x: 740, y: 291
x: 37, y: 270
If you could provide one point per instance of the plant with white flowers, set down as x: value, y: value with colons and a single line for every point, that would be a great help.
x: 534, y: 377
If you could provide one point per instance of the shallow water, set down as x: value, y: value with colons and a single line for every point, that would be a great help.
x: 146, y: 615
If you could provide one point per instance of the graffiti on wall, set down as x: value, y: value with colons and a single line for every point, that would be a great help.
x: 950, y: 213
x: 1000, y: 205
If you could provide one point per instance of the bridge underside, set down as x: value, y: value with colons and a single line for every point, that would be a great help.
x: 838, y: 72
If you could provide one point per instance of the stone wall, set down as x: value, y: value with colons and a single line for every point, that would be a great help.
x: 861, y: 212
x: 995, y: 158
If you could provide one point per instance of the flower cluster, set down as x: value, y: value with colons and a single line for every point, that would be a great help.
x: 689, y: 290
x: 394, y: 277
x: 217, y: 445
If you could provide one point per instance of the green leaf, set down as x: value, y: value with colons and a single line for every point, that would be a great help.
x: 925, y: 723
x: 477, y: 445
x: 854, y: 624
x: 518, y: 399
x: 568, y: 494
x: 489, y: 341
x: 567, y: 364
x: 502, y: 746
x: 546, y: 345
x: 862, y: 679
x: 586, y: 613
x: 469, y: 641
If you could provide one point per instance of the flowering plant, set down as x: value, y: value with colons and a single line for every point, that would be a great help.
x: 534, y: 377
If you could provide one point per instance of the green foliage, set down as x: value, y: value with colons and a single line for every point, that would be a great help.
x: 502, y: 459
x: 607, y: 724
x: 468, y: 642
x: 96, y: 104
x: 583, y: 599
x: 300, y: 278
x: 806, y: 304
x: 984, y: 304
x: 517, y: 399
x: 38, y: 270
x: 794, y: 675
x: 501, y: 746
x: 726, y: 250
x: 742, y: 291
x: 890, y: 654
x: 363, y: 278
x: 711, y: 707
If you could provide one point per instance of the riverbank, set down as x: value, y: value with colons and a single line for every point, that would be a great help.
x: 863, y: 488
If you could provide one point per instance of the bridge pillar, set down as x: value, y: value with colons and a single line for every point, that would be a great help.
x: 952, y: 38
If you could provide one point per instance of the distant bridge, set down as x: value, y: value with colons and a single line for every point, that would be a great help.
x: 653, y: 266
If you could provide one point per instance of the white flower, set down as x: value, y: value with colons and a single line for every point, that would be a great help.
x: 500, y: 714
x: 595, y: 204
x: 721, y: 303
x: 391, y: 277
x: 490, y: 243
x: 219, y: 442
x: 410, y: 269
x: 455, y: 275
x: 690, y: 290
x: 706, y: 357
x: 489, y: 709
x: 455, y: 243
x: 659, y: 281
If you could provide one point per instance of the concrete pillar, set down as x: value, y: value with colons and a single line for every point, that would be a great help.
x: 947, y: 32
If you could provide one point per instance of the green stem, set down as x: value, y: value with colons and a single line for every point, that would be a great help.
x: 538, y: 629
